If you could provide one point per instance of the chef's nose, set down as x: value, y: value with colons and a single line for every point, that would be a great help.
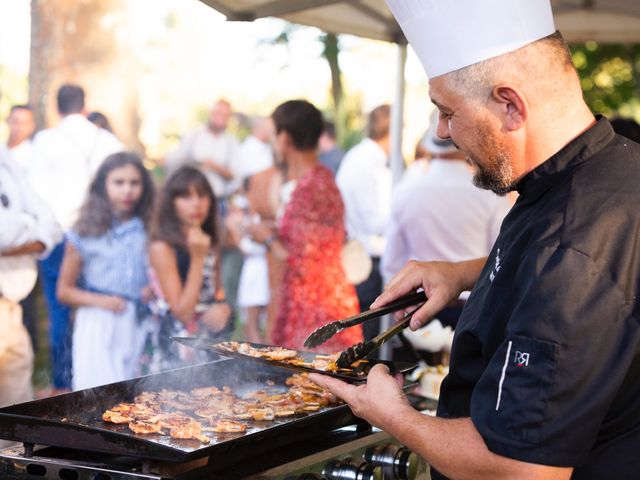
x: 443, y: 129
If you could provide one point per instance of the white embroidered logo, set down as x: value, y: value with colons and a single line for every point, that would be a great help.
x: 521, y: 359
x: 496, y: 267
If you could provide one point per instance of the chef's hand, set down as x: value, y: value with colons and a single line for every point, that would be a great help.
x: 379, y: 401
x: 442, y: 283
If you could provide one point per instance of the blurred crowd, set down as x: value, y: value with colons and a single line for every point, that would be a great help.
x: 262, y: 240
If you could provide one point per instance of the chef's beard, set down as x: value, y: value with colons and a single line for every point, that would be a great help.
x: 497, y: 177
x: 495, y: 173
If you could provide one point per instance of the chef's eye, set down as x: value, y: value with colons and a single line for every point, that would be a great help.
x: 445, y: 115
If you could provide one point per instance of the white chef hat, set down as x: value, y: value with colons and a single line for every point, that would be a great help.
x: 434, y: 144
x: 451, y: 34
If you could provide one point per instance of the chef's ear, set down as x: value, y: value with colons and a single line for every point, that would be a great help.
x: 512, y: 106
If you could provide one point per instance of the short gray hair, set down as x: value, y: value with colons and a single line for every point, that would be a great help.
x: 549, y: 54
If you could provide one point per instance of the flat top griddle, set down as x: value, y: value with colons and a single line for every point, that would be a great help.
x: 74, y: 420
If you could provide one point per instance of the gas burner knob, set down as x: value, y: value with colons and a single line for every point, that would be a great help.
x: 350, y: 469
x: 397, y: 462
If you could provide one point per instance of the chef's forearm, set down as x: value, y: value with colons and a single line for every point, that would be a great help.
x: 455, y: 448
x: 469, y: 272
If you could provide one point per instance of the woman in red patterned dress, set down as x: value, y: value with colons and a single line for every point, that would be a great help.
x: 310, y: 237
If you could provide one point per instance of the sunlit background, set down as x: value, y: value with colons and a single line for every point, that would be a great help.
x: 185, y: 56
x: 159, y: 64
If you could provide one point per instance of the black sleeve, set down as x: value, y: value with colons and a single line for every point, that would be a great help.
x: 568, y: 345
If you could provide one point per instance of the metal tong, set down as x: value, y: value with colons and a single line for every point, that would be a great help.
x: 360, y: 350
x: 324, y: 333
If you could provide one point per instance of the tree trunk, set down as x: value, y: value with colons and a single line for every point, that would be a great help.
x: 330, y: 53
x: 84, y: 42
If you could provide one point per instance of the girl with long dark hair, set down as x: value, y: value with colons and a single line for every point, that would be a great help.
x: 185, y: 259
x: 104, y: 272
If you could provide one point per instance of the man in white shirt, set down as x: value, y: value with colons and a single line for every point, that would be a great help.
x: 364, y: 180
x: 19, y: 147
x: 19, y: 150
x: 65, y: 158
x: 256, y: 153
x: 213, y: 148
x: 29, y: 229
x: 439, y: 215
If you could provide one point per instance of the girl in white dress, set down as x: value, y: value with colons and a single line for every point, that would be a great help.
x: 104, y: 273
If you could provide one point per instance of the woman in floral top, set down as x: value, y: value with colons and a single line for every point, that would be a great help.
x: 310, y: 237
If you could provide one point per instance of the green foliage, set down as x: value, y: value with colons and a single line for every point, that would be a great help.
x: 349, y: 121
x: 610, y: 79
x: 346, y: 113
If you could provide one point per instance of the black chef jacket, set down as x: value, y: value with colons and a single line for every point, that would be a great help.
x: 546, y: 357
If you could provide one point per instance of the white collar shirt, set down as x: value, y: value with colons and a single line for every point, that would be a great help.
x: 202, y: 145
x: 441, y: 215
x: 65, y: 159
x: 254, y: 156
x: 24, y: 216
x: 364, y: 180
x: 21, y: 155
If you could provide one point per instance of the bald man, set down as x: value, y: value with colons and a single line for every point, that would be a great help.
x: 545, y: 364
x: 213, y: 149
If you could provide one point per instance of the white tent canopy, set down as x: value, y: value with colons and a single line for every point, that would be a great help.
x: 609, y: 21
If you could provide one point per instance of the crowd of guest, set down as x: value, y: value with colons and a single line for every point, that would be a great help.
x: 242, y: 239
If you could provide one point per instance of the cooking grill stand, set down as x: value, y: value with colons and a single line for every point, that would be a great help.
x: 89, y: 450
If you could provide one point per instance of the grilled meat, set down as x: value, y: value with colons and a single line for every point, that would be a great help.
x: 126, y: 412
x: 144, y: 427
x: 278, y: 354
x: 187, y: 430
x: 228, y: 426
x: 171, y: 411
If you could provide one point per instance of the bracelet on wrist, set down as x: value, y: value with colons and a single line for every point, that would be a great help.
x: 269, y: 241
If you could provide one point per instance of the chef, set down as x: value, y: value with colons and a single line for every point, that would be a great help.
x: 545, y: 364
